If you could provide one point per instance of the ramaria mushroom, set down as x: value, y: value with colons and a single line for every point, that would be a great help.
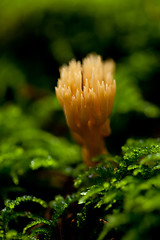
x: 86, y: 92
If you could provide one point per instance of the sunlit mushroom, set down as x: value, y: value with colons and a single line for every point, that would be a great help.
x: 86, y: 92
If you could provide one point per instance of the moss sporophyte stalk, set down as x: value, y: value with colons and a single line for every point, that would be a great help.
x: 86, y: 92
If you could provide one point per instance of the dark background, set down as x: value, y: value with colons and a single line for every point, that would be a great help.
x: 36, y: 38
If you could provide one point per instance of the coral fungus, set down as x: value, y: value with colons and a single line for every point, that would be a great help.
x: 86, y: 92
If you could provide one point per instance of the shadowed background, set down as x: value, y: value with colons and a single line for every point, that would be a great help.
x: 36, y: 38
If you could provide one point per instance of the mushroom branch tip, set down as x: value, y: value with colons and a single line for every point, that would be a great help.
x: 86, y: 92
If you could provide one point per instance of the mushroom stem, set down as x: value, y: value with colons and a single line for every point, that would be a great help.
x: 92, y: 142
x: 92, y: 150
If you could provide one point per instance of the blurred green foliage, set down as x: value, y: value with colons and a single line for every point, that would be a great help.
x: 46, y: 192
